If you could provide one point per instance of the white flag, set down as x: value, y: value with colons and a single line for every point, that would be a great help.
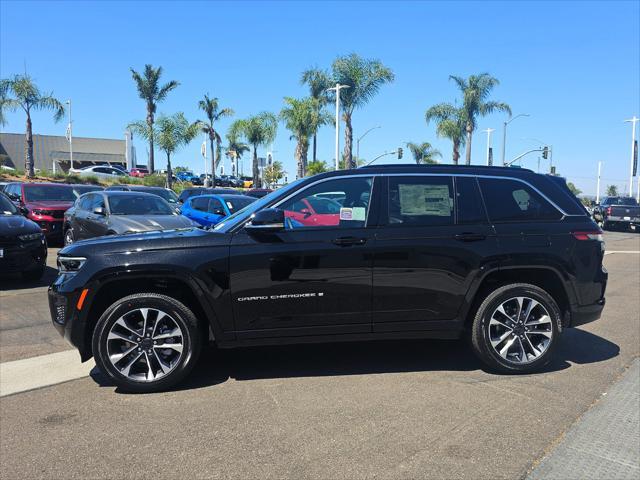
x: 68, y: 133
x: 203, y: 149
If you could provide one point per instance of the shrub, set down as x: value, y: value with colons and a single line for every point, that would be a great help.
x: 154, y: 180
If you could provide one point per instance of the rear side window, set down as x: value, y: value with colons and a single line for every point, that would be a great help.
x: 420, y: 201
x: 200, y: 203
x: 513, y: 201
x: 469, y: 201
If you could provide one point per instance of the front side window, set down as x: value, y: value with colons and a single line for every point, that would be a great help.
x: 420, y: 201
x: 513, y: 201
x: 312, y: 208
x: 215, y: 207
x: 85, y: 202
x: 200, y: 204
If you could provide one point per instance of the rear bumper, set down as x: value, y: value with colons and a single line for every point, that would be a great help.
x: 587, y: 313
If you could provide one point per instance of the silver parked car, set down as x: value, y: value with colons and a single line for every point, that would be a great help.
x: 100, y: 171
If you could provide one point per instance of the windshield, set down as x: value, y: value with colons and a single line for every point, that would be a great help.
x: 6, y: 207
x: 79, y: 190
x: 138, y: 205
x: 48, y: 193
x: 168, y: 195
x: 243, y: 215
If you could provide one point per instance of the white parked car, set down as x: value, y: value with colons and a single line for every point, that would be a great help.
x: 100, y: 171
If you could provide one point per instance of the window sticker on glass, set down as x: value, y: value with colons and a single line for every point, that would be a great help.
x: 425, y: 200
x: 346, y: 214
x: 229, y: 205
x: 359, y: 214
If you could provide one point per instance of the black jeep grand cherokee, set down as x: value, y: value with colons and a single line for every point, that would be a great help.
x: 507, y: 255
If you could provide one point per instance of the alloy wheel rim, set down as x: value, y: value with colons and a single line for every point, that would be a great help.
x: 145, y: 344
x: 68, y: 238
x: 520, y: 330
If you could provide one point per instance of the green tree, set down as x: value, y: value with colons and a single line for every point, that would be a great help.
x: 213, y: 113
x: 364, y: 78
x: 475, y: 91
x: 316, y: 166
x: 450, y: 124
x: 258, y: 130
x: 274, y: 173
x: 235, y: 149
x: 180, y: 168
x: 575, y: 190
x: 612, y: 191
x: 303, y: 117
x: 423, y: 152
x: 19, y: 92
x: 318, y: 81
x: 150, y: 90
x: 171, y: 132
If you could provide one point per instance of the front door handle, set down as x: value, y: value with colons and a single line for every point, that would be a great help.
x: 347, y: 241
x: 470, y: 237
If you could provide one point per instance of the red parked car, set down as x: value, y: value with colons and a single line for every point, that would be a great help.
x: 44, y: 203
x: 139, y: 172
x: 314, y: 210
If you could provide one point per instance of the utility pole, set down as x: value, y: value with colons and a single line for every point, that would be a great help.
x: 504, y: 134
x: 633, y: 122
x: 598, y: 183
x: 203, y: 152
x: 489, y: 130
x: 337, y: 89
x: 70, y: 135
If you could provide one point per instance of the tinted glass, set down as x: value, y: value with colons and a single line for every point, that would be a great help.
x: 200, y: 203
x: 469, y: 202
x: 97, y: 201
x: 351, y: 212
x: 80, y: 189
x: 51, y: 193
x: 236, y: 203
x: 215, y: 207
x: 6, y: 207
x: 420, y: 200
x: 85, y: 202
x: 513, y: 201
x: 138, y: 205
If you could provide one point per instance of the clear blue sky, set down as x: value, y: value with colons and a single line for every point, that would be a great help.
x: 574, y: 66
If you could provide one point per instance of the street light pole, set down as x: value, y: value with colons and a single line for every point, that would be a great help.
x: 361, y: 137
x: 504, y: 134
x: 598, y: 183
x: 633, y: 122
x: 489, y: 130
x: 70, y: 135
x: 337, y: 89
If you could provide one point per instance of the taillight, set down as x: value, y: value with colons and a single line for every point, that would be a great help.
x: 592, y: 235
x: 608, y: 210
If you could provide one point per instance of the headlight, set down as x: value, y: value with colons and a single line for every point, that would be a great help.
x: 70, y: 264
x: 37, y: 212
x: 29, y: 237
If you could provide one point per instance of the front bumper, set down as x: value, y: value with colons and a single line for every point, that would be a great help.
x: 23, y: 257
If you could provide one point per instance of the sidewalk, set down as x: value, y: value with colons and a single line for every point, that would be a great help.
x: 604, y: 442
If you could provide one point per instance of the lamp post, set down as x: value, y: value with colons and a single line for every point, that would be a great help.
x: 633, y: 122
x: 489, y: 130
x: 70, y: 136
x: 504, y: 133
x: 337, y: 89
x: 361, y: 137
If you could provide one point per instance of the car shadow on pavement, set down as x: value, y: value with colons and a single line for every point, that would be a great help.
x: 364, y: 358
x: 15, y: 281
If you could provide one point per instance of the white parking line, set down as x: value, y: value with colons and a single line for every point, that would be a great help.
x: 43, y: 371
x: 621, y: 251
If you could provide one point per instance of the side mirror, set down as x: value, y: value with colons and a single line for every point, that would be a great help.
x: 24, y: 211
x: 99, y: 211
x: 306, y: 212
x: 267, y: 220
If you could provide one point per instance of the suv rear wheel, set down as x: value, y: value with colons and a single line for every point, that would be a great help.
x: 516, y: 328
x: 146, y: 342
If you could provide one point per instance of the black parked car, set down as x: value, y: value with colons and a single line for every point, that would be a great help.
x: 507, y: 255
x: 23, y: 247
x: 79, y: 189
x: 192, y: 192
x: 114, y: 213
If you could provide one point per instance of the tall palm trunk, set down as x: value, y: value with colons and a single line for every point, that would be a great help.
x: 28, y: 151
x: 300, y: 172
x: 456, y: 152
x: 213, y: 159
x: 169, y: 172
x: 314, y: 146
x: 218, y: 153
x: 256, y: 171
x: 348, y: 142
x: 151, y: 165
x: 469, y: 135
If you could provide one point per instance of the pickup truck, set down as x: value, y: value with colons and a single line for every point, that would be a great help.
x: 619, y: 213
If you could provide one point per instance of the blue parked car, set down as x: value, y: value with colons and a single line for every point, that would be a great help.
x: 188, y: 177
x: 210, y: 209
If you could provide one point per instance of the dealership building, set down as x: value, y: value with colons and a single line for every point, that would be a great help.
x: 52, y: 153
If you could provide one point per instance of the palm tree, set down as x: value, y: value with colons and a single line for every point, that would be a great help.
x: 149, y: 90
x: 451, y: 125
x: 19, y: 91
x: 423, y: 152
x: 315, y: 167
x: 211, y: 109
x: 258, y: 130
x: 273, y: 173
x: 303, y: 118
x: 235, y: 149
x: 318, y: 81
x: 475, y: 91
x: 364, y: 78
x: 171, y: 132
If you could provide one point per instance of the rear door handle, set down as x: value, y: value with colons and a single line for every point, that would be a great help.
x: 347, y: 241
x: 470, y: 237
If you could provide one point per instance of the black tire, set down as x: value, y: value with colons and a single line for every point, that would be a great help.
x: 480, y: 339
x: 35, y: 274
x: 69, y: 236
x: 183, y: 317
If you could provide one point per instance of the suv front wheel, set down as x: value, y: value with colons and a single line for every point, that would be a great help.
x: 146, y: 342
x: 516, y: 328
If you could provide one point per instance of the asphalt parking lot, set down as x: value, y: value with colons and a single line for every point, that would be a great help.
x: 419, y: 409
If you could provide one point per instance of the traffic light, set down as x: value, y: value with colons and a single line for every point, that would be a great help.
x: 399, y: 153
x: 545, y: 152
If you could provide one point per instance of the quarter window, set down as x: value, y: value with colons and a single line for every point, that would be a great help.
x: 514, y: 201
x: 420, y: 201
x: 339, y: 203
